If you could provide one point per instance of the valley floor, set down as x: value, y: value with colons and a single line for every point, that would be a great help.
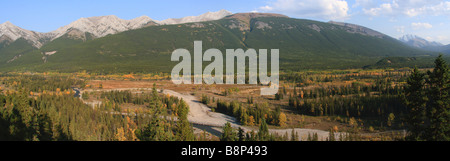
x: 205, y: 120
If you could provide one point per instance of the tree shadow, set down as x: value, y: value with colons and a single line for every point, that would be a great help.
x: 208, y: 129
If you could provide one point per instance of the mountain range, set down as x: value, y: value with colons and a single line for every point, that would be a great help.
x: 419, y: 42
x: 110, y: 44
x: 416, y: 41
x: 97, y: 26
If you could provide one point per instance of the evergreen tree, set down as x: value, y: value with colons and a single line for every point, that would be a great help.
x: 331, y: 136
x: 155, y: 92
x: 228, y: 133
x: 277, y: 96
x: 294, y: 135
x: 263, y: 133
x: 241, y: 134
x: 438, y: 107
x: 185, y: 131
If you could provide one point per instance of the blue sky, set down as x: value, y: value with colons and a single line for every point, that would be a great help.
x: 429, y: 19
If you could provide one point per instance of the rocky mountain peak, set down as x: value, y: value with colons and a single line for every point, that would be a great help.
x: 11, y: 32
x: 352, y: 28
x: 209, y: 16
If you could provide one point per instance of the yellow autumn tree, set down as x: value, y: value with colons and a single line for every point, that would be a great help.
x: 120, y: 135
x: 127, y: 133
x: 352, y: 122
x: 131, y: 128
x: 335, y: 129
x: 282, y: 119
x: 251, y: 121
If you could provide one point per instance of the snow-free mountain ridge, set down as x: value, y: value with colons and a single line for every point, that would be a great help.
x: 103, y: 25
x: 97, y: 26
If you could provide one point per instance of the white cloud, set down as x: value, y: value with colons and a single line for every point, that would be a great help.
x: 267, y: 8
x: 400, y: 29
x: 385, y: 8
x: 323, y: 9
x: 420, y: 25
x: 364, y: 3
x: 439, y: 38
x: 410, y: 8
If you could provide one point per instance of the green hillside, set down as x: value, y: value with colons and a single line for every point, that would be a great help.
x: 65, y: 41
x: 303, y: 44
x: 16, y: 50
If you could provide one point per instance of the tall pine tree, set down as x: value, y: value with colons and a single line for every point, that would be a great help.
x: 439, y: 103
x: 416, y: 100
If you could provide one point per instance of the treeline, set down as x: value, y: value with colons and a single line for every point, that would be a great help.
x: 380, y: 101
x: 120, y: 97
x: 263, y: 134
x: 351, y: 101
x: 359, y: 106
x: 308, y: 78
x: 36, y: 83
x: 230, y: 134
x: 378, y: 88
x: 247, y: 114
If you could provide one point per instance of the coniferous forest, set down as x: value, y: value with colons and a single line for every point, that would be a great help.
x: 54, y: 114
